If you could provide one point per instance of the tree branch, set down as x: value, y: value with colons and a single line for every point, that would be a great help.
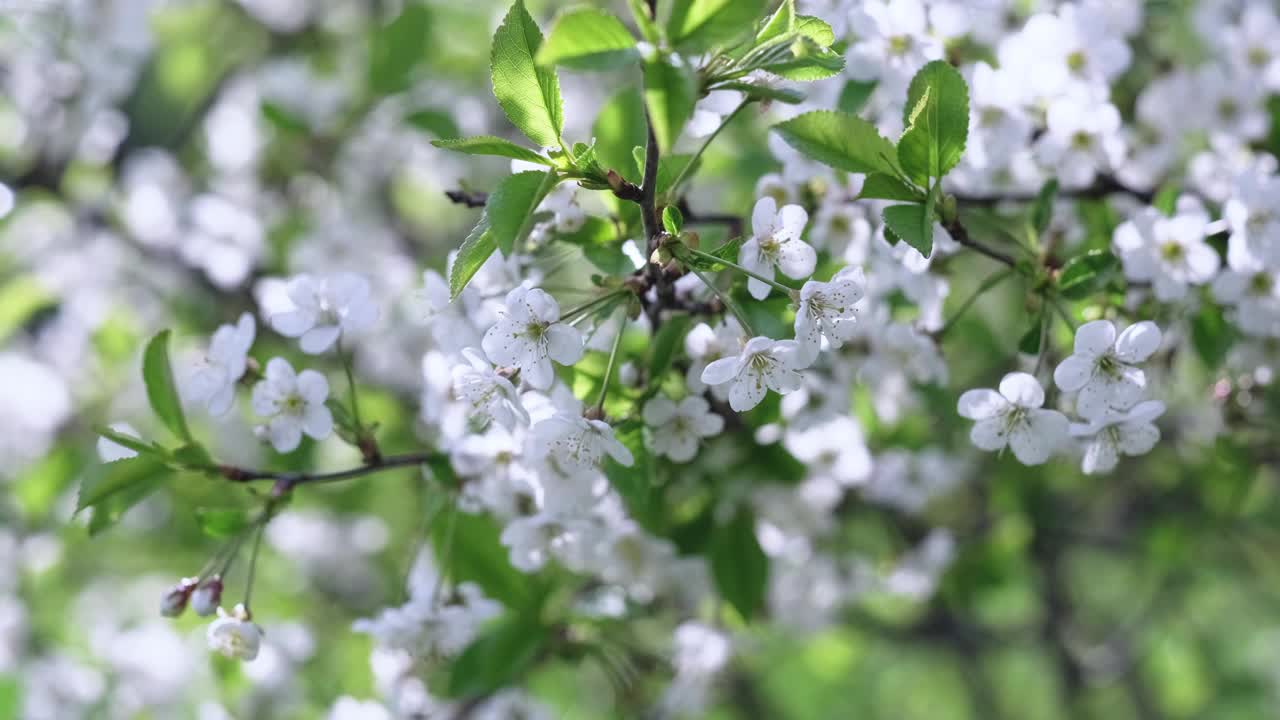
x: 1105, y: 185
x: 286, y: 481
x: 960, y: 234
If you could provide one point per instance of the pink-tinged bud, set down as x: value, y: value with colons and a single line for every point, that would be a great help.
x: 175, y: 600
x: 205, y: 599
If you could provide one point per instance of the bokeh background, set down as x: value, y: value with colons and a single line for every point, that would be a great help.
x: 163, y: 163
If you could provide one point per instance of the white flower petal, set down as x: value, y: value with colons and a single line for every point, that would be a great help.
x: 564, y: 343
x: 746, y: 392
x: 313, y: 387
x: 293, y: 323
x: 1022, y: 389
x: 658, y: 411
x: 981, y: 404
x: 720, y: 371
x: 317, y: 422
x: 319, y: 339
x: 1138, y: 438
x: 989, y: 434
x: 285, y: 433
x: 1074, y: 372
x: 762, y: 216
x: 797, y: 259
x: 1099, y: 457
x: 1038, y: 437
x: 1095, y: 338
x: 1138, y: 342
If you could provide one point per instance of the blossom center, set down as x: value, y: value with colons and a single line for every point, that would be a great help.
x: 1172, y: 251
x: 1077, y: 61
x: 1261, y: 284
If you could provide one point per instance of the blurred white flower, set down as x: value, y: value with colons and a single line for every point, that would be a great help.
x: 1013, y: 417
x: 677, y: 429
x: 235, y: 635
x: 490, y: 395
x: 294, y: 404
x: 1169, y: 252
x: 325, y: 309
x: 213, y: 381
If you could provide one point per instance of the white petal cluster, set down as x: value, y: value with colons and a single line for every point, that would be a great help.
x: 293, y: 403
x: 326, y: 308
x: 775, y: 243
x: 676, y: 429
x: 762, y: 365
x: 1014, y: 418
x: 213, y: 382
x: 529, y: 335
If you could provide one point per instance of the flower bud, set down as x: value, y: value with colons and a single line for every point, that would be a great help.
x: 205, y: 599
x: 175, y: 600
x: 235, y: 635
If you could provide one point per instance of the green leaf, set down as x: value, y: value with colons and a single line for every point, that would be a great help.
x: 636, y: 484
x: 499, y: 656
x: 844, y: 142
x: 937, y: 121
x: 1211, y: 335
x: 509, y: 208
x: 879, y: 186
x: 436, y: 122
x: 20, y: 300
x: 816, y: 29
x: 1029, y: 343
x: 1042, y: 208
x: 666, y: 342
x: 222, y: 522
x: 1085, y: 274
x: 585, y: 38
x: 283, y: 119
x: 672, y: 219
x: 138, y: 445
x: 698, y: 25
x: 475, y: 250
x: 738, y: 565
x: 912, y: 224
x: 782, y: 22
x: 162, y: 391
x: 764, y: 92
x: 396, y: 49
x: 122, y: 477
x: 469, y: 550
x: 854, y: 96
x: 670, y: 92
x: 804, y: 60
x: 640, y: 13
x: 618, y: 128
x: 490, y: 145
x: 528, y: 94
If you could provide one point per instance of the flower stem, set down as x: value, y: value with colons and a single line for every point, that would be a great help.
x: 684, y: 171
x: 253, y: 557
x: 351, y: 386
x: 789, y: 292
x: 584, y: 307
x: 728, y: 303
x: 613, y: 359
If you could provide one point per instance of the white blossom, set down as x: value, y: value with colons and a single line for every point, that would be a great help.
x: 1013, y: 417
x: 489, y: 395
x: 1131, y: 432
x: 325, y: 309
x: 1170, y: 252
x: 827, y: 309
x: 235, y: 635
x: 293, y: 403
x: 775, y: 242
x: 764, y: 364
x: 1102, y: 369
x: 213, y: 382
x: 676, y: 429
x: 575, y: 444
x: 529, y: 336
